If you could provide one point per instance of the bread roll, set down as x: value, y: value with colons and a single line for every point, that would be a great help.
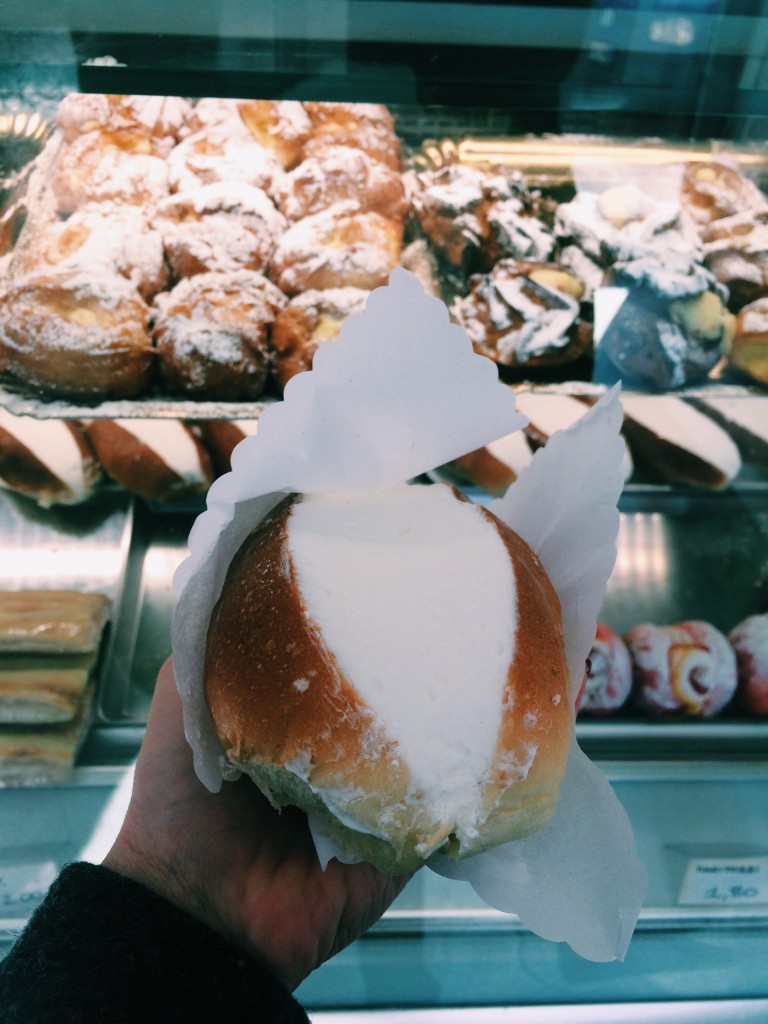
x: 393, y: 663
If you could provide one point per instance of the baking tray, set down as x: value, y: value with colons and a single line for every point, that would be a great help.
x: 84, y: 547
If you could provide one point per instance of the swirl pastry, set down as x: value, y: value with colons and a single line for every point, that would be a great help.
x: 47, y: 460
x: 711, y: 190
x: 76, y: 335
x: 609, y: 674
x: 688, y: 669
x: 736, y: 251
x: 453, y: 204
x: 103, y: 238
x: 160, y: 460
x: 108, y: 167
x: 308, y: 321
x: 672, y: 325
x: 212, y: 335
x: 223, y: 227
x: 366, y: 126
x: 523, y: 314
x: 624, y: 223
x: 341, y: 173
x: 338, y: 248
x: 749, y: 640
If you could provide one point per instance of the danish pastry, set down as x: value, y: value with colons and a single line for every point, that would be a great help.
x: 523, y: 314
x: 736, y: 251
x: 711, y: 190
x: 672, y: 326
x: 688, y: 669
x: 747, y: 352
x: 609, y: 674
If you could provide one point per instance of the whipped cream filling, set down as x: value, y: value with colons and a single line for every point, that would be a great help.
x: 414, y: 594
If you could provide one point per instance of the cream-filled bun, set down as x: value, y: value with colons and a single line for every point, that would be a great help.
x: 393, y: 664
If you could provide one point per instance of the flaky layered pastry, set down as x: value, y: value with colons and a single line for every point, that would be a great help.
x: 393, y: 664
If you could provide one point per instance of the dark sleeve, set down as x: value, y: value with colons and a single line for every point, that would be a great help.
x: 104, y: 948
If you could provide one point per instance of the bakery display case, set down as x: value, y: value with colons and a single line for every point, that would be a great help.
x: 190, y: 208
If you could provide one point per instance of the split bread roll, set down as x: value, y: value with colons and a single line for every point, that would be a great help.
x: 393, y: 664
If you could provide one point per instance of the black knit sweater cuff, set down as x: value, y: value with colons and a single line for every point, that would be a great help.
x: 103, y: 947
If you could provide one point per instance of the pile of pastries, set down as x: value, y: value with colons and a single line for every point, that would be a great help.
x: 685, y: 670
x: 172, y: 237
x: 204, y: 250
x: 677, y: 283
x: 49, y: 649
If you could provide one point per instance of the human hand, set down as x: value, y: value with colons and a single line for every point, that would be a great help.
x: 233, y: 862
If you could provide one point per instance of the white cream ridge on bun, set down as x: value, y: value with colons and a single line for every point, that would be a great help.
x: 393, y: 663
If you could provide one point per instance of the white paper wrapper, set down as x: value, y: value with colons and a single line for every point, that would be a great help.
x: 400, y: 392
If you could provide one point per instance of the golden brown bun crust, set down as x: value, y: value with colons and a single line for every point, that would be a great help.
x: 76, y: 336
x: 260, y: 643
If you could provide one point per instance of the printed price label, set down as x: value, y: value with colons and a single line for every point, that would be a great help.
x: 22, y: 886
x: 737, y: 881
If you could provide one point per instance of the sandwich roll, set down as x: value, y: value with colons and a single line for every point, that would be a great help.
x: 393, y: 663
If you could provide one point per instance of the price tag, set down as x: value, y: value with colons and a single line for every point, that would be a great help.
x: 735, y: 881
x: 23, y: 886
